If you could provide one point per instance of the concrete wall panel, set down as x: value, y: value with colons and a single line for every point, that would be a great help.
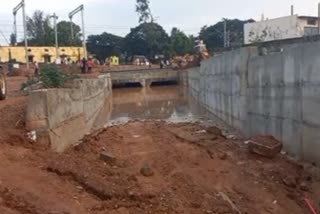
x: 277, y: 94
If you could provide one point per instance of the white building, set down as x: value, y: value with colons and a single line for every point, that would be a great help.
x: 280, y: 28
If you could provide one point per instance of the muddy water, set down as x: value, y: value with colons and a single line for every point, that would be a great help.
x: 170, y: 103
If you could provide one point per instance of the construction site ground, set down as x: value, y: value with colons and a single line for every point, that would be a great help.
x: 145, y: 167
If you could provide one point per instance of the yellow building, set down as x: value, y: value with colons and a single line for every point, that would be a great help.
x: 114, y: 60
x: 40, y: 54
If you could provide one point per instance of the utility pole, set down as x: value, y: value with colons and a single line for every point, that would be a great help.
x: 71, y: 14
x: 72, y: 34
x: 56, y: 34
x: 15, y: 27
x: 15, y: 11
x: 319, y: 18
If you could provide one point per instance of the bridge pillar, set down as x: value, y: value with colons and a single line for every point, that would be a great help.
x: 145, y: 83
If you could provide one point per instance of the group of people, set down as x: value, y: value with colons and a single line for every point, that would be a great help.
x: 164, y: 63
x: 86, y: 65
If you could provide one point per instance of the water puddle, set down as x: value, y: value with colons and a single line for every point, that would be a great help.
x: 166, y: 103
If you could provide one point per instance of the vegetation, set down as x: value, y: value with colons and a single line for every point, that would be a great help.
x: 148, y: 39
x: 144, y: 11
x: 105, y: 45
x: 52, y: 77
x: 29, y: 83
x: 41, y: 33
x: 180, y: 42
x: 213, y: 36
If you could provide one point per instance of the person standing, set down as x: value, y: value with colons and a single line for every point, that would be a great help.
x: 36, y: 68
x: 83, y: 65
x: 90, y: 65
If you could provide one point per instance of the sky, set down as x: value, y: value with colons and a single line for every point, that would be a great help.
x: 118, y: 16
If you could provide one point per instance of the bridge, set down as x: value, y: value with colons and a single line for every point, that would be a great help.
x: 143, y: 77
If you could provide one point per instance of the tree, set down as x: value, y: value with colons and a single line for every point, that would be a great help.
x: 213, y: 36
x: 64, y: 34
x: 144, y: 11
x: 148, y: 39
x: 105, y: 45
x: 39, y: 30
x: 181, y: 44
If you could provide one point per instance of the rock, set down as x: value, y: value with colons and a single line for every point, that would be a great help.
x: 146, y: 171
x: 232, y: 137
x: 214, y: 130
x: 107, y: 157
x: 223, y: 156
x: 290, y: 182
x: 304, y: 187
x: 265, y: 145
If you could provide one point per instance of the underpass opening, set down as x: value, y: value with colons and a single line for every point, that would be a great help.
x: 164, y: 83
x: 127, y: 85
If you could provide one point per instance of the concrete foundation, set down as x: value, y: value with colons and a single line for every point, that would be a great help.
x: 61, y: 117
x: 277, y: 94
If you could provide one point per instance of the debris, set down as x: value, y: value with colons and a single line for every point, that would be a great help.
x: 304, y: 187
x: 265, y: 145
x: 290, y: 182
x: 214, y: 130
x: 275, y: 202
x: 32, y: 135
x: 223, y: 156
x: 146, y: 171
x: 201, y: 132
x: 107, y: 157
x: 232, y: 137
x: 136, y: 136
x: 227, y: 199
x: 309, y: 204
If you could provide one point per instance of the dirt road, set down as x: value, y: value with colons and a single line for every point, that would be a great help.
x: 146, y: 167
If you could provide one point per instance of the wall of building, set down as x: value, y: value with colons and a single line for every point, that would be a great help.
x: 39, y: 53
x: 277, y: 94
x: 61, y: 117
x: 273, y: 29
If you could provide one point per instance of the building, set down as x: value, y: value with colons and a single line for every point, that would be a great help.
x: 40, y: 54
x: 288, y: 27
x: 114, y: 60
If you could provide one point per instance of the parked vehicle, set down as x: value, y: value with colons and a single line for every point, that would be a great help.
x: 3, y: 84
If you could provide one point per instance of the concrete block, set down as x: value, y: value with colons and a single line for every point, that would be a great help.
x: 69, y: 133
x: 63, y: 104
x: 37, y: 116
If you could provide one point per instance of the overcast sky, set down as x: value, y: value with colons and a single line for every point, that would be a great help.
x: 117, y: 16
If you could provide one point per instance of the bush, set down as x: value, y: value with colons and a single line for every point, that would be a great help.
x: 29, y: 83
x: 52, y: 77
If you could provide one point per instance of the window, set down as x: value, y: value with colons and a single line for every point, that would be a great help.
x: 29, y: 50
x: 312, y: 22
x: 63, y: 50
x: 46, y: 50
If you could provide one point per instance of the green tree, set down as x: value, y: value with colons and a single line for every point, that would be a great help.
x: 39, y: 30
x: 181, y: 44
x: 64, y: 34
x: 105, y: 45
x: 148, y: 39
x: 213, y: 36
x: 144, y: 11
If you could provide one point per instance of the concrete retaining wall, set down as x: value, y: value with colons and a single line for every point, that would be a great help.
x: 63, y: 116
x: 277, y: 94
